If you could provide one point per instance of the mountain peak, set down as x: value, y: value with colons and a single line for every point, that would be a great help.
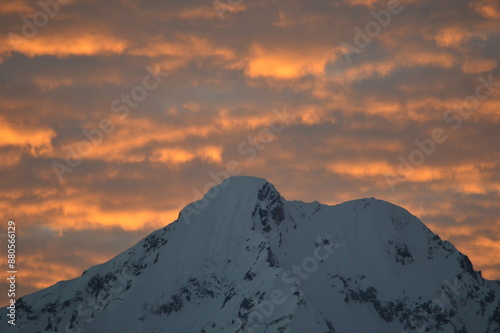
x: 232, y: 192
x: 244, y: 181
x: 240, y: 186
x: 252, y: 261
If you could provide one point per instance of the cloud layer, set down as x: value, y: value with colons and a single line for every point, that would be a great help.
x: 114, y: 114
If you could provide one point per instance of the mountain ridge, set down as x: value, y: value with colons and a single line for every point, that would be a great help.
x: 244, y: 259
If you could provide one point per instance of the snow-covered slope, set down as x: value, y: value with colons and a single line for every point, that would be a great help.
x: 243, y: 259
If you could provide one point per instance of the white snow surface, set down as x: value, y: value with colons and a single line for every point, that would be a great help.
x: 243, y: 259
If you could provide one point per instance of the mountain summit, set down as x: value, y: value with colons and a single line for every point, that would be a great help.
x: 244, y: 259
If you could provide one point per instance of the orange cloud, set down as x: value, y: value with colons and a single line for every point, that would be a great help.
x: 182, y: 45
x: 353, y: 144
x: 368, y: 3
x: 359, y: 72
x: 35, y: 140
x: 123, y: 142
x: 178, y: 156
x: 487, y: 8
x: 66, y: 45
x: 471, y: 177
x: 15, y: 6
x: 454, y: 36
x: 479, y: 65
x: 229, y: 121
x: 33, y: 264
x: 9, y: 158
x: 489, y: 109
x: 77, y: 211
x: 47, y: 83
x: 284, y: 63
x: 483, y: 252
x: 361, y: 169
x: 426, y: 58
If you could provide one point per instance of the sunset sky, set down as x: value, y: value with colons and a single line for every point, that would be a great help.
x: 116, y: 114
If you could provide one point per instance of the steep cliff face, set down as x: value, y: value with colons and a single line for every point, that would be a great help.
x: 243, y: 259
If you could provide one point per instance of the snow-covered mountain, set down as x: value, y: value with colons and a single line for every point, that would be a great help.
x: 243, y: 259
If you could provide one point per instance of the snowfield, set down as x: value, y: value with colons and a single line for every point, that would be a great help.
x: 243, y: 259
